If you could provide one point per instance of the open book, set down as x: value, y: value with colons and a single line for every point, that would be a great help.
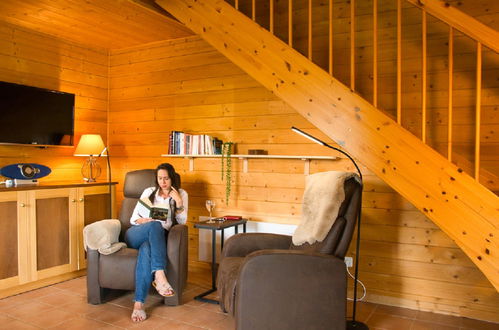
x: 156, y: 212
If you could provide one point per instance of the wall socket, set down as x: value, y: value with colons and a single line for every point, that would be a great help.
x: 349, y: 261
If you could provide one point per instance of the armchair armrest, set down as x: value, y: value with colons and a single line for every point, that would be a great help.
x: 94, y: 291
x: 241, y: 245
x: 274, y: 283
x: 177, y: 261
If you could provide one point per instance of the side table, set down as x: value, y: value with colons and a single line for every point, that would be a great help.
x: 217, y: 225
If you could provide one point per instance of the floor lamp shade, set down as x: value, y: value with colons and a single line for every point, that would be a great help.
x: 91, y: 146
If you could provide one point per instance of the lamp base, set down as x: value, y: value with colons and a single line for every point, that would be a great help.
x: 90, y: 169
x: 351, y: 325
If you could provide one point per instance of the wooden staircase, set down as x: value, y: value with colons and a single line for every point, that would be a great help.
x: 463, y: 208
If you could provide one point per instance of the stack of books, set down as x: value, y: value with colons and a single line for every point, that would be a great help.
x: 181, y: 143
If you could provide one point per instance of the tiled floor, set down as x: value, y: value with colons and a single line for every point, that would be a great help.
x: 64, y: 306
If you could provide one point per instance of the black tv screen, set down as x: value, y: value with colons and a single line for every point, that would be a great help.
x: 35, y: 116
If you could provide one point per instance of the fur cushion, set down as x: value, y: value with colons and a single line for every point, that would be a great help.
x: 324, y: 193
x: 103, y: 236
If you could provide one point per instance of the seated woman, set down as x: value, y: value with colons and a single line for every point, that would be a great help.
x: 149, y: 236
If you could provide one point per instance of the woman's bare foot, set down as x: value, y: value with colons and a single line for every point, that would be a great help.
x: 138, y: 314
x: 161, y: 284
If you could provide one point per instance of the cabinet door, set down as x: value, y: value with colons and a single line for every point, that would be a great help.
x: 54, y: 225
x: 94, y: 204
x: 9, y: 240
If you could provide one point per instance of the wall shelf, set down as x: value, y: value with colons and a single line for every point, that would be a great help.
x: 245, y: 158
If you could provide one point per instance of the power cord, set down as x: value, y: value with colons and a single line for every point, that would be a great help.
x: 362, y: 284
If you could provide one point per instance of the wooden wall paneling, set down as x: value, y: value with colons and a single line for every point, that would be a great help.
x: 97, y: 23
x: 262, y: 190
x: 9, y: 236
x: 35, y: 59
x: 447, y: 247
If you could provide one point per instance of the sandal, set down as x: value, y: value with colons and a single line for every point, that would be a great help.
x: 138, y: 315
x: 164, y: 290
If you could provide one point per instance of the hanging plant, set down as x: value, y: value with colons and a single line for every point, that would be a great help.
x: 227, y: 163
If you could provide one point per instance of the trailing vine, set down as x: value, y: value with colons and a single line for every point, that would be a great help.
x: 227, y: 162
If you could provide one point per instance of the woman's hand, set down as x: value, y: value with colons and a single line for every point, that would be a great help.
x: 176, y: 196
x: 140, y: 221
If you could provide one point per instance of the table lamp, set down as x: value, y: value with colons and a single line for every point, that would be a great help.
x: 91, y: 146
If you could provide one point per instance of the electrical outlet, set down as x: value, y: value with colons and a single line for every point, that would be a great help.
x: 349, y: 261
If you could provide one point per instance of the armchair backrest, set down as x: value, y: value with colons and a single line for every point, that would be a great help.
x: 339, y: 237
x: 135, y: 183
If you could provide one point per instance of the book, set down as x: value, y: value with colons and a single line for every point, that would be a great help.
x: 232, y: 217
x: 156, y: 212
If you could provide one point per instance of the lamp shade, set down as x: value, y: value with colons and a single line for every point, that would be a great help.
x: 90, y: 145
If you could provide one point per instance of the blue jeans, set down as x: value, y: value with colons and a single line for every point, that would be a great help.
x: 150, y: 239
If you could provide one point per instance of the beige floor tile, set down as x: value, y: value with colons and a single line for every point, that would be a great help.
x: 34, y: 294
x: 423, y: 325
x: 177, y: 325
x: 61, y: 298
x: 17, y: 325
x: 454, y: 321
x: 227, y: 323
x: 398, y: 311
x: 478, y: 325
x: 27, y: 309
x: 210, y: 307
x: 82, y: 323
x: 12, y: 301
x: 50, y: 318
x: 171, y: 312
x: 152, y: 322
x: 363, y: 312
x: 200, y: 317
x: 389, y: 322
x: 82, y: 308
x: 110, y: 314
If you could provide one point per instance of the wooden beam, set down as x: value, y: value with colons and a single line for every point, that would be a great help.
x: 450, y: 88
x: 423, y: 76
x: 445, y: 12
x: 330, y: 44
x: 352, y: 44
x: 310, y: 21
x: 399, y: 62
x: 463, y: 208
x: 478, y: 108
x: 375, y: 53
x: 152, y: 7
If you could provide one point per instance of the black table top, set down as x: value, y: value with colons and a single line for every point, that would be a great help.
x: 217, y: 225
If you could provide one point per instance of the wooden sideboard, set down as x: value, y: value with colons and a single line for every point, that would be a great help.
x: 41, y: 236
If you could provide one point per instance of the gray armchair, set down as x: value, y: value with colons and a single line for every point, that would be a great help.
x: 266, y: 282
x: 117, y: 270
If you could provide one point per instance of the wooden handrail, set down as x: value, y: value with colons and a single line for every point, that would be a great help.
x: 460, y: 21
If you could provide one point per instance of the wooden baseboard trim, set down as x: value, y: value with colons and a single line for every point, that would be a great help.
x: 40, y: 283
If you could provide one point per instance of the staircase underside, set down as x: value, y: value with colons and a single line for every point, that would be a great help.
x: 461, y: 207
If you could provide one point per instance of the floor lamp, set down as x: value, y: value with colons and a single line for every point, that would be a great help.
x: 353, y: 324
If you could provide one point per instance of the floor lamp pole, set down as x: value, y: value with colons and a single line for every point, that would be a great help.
x: 353, y: 324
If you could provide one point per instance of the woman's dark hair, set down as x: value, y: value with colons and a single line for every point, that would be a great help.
x: 171, y: 174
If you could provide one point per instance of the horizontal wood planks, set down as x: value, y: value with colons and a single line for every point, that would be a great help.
x: 398, y: 240
x: 96, y: 23
x: 35, y: 59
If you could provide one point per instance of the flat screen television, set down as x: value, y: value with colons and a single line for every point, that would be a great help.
x: 35, y: 116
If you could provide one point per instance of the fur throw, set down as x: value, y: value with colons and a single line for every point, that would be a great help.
x: 324, y: 193
x: 103, y: 236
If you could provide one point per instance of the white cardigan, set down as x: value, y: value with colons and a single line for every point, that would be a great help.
x: 141, y: 212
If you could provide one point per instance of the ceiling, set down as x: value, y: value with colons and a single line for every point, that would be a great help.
x: 109, y: 24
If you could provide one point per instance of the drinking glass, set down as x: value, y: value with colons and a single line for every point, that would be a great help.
x: 210, y: 206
